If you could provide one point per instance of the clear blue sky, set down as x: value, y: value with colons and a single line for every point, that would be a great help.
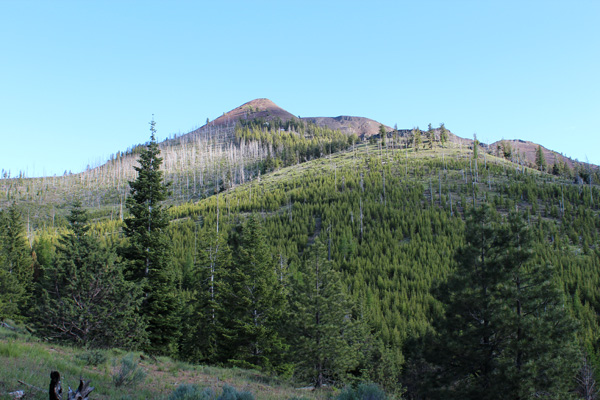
x: 80, y: 80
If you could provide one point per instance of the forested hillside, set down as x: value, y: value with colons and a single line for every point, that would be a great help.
x: 212, y: 158
x: 303, y: 252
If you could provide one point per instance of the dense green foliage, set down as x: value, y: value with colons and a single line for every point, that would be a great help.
x: 83, y: 296
x: 16, y: 266
x: 505, y: 332
x: 292, y: 141
x: 321, y: 334
x: 253, y: 301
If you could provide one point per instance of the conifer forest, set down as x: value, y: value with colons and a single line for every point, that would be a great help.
x: 431, y: 266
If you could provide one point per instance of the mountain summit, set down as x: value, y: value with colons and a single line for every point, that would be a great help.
x: 255, y: 109
x: 267, y: 110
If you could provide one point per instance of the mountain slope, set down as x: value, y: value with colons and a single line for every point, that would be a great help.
x: 211, y: 157
x: 392, y: 217
x: 528, y: 150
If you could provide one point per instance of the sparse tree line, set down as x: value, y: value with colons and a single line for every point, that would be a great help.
x: 291, y: 142
x: 357, y: 271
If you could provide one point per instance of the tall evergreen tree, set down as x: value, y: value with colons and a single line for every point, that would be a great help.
x: 505, y: 334
x: 540, y: 159
x: 203, y: 325
x: 539, y: 356
x: 475, y: 146
x: 416, y: 137
x: 254, y: 299
x: 443, y: 134
x: 470, y: 337
x: 430, y: 136
x: 382, y: 134
x: 507, y: 150
x: 16, y: 266
x: 322, y: 335
x: 84, y: 297
x: 147, y: 249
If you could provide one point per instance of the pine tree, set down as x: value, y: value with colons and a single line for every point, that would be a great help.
x: 430, y: 136
x: 202, y: 341
x: 443, y: 134
x: 83, y: 296
x: 147, y: 249
x: 540, y: 159
x: 416, y: 137
x: 322, y: 334
x: 254, y: 301
x: 468, y: 355
x: 505, y: 334
x: 507, y: 150
x: 382, y: 134
x: 540, y: 355
x: 16, y: 266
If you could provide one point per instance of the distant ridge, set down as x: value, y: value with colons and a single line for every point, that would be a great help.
x: 363, y: 127
x: 267, y: 110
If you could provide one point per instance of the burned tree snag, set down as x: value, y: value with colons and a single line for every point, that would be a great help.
x: 55, y: 390
x: 82, y: 391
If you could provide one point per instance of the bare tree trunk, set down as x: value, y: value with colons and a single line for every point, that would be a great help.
x: 383, y: 179
x: 586, y: 384
x: 55, y: 391
x: 361, y: 220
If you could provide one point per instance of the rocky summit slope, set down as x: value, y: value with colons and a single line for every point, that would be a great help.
x: 267, y: 110
x: 255, y: 109
x: 363, y: 127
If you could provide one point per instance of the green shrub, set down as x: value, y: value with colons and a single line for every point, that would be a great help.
x: 129, y: 373
x: 229, y: 393
x: 193, y: 392
x: 364, y: 391
x: 92, y: 357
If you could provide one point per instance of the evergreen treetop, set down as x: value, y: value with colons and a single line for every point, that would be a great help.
x: 148, y: 251
x: 145, y: 227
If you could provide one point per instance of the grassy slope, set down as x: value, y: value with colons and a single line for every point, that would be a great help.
x: 27, y: 359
